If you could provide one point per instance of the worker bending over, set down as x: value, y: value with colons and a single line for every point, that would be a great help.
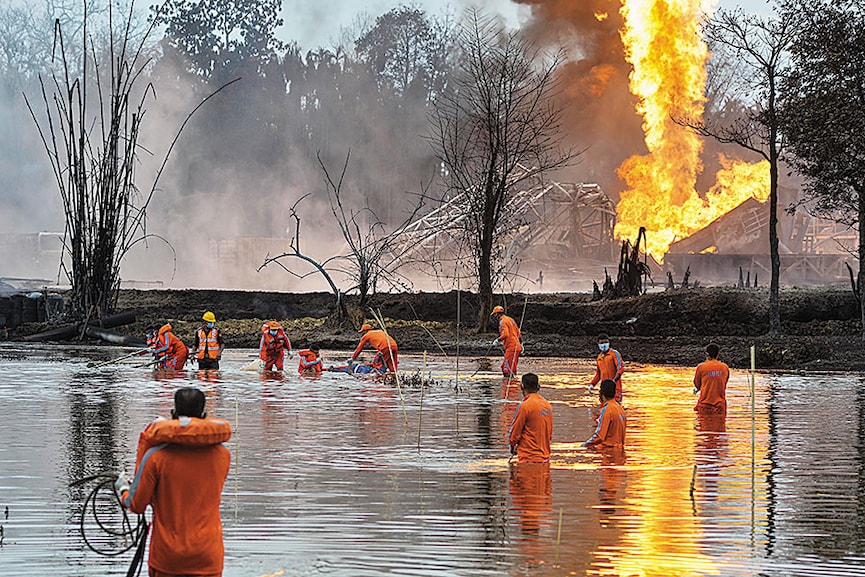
x: 612, y: 421
x: 309, y: 361
x: 170, y: 351
x: 608, y: 365
x: 510, y: 338
x: 274, y: 345
x: 387, y: 352
x: 208, y: 344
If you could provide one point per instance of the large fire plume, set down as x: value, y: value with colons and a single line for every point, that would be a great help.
x: 663, y: 44
x: 667, y: 56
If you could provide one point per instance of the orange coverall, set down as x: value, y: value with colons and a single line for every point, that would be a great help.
x: 183, y: 484
x: 384, y: 344
x: 272, y: 348
x: 510, y: 336
x: 532, y: 429
x: 170, y: 350
x: 309, y: 363
x: 710, y: 379
x: 609, y: 365
x: 612, y: 423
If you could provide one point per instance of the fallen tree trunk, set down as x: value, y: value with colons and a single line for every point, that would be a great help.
x: 72, y: 331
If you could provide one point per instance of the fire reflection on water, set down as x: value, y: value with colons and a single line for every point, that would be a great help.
x: 327, y: 478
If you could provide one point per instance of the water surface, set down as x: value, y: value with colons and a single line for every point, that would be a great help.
x: 337, y: 476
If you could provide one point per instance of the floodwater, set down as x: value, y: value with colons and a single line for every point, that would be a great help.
x: 343, y: 477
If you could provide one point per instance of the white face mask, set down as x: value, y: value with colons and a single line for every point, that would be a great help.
x: 604, y: 347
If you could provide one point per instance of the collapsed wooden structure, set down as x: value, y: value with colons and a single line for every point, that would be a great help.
x: 811, y: 249
x: 546, y: 222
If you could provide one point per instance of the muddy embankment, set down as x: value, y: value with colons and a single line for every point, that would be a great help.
x: 820, y: 326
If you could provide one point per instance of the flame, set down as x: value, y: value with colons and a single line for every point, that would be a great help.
x: 662, y: 40
x: 601, y: 16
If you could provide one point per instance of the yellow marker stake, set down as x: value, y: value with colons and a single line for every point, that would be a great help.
x: 753, y: 439
x: 559, y: 534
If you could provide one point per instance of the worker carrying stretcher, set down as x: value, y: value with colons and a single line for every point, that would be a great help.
x: 387, y: 351
x: 511, y: 338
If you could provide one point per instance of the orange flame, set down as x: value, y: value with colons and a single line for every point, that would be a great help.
x: 663, y: 43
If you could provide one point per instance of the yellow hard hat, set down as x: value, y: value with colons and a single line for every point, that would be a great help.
x: 209, y: 317
x: 365, y: 327
x: 497, y: 309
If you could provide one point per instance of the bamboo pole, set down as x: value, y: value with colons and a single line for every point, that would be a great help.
x: 420, y: 408
x: 753, y: 439
x: 559, y: 534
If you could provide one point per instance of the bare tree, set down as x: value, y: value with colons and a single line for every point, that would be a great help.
x: 759, y: 46
x: 495, y: 126
x: 90, y: 131
x: 371, y: 258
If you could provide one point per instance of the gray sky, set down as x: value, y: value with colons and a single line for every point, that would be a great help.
x: 314, y: 23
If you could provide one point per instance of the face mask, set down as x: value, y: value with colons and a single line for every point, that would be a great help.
x: 210, y: 325
x: 272, y: 332
x: 604, y: 347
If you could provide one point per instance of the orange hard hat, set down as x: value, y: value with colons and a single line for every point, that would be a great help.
x: 274, y: 324
x: 497, y: 309
x: 365, y: 327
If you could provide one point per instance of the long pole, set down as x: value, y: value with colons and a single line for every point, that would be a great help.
x: 420, y: 408
x: 457, y: 376
x: 117, y: 360
x: 753, y: 438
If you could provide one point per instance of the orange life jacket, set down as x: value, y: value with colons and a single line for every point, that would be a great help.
x: 306, y: 357
x: 189, y: 431
x: 208, y: 343
x: 176, y: 347
x: 271, y: 344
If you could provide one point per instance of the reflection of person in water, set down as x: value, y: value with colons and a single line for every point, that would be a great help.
x: 532, y: 496
x: 612, y: 482
x: 709, y: 454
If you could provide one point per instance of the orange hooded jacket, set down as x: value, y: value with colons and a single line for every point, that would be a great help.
x: 181, y: 478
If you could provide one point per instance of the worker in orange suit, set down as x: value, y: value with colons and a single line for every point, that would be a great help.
x: 608, y: 365
x: 183, y: 484
x: 170, y: 351
x: 612, y: 422
x: 710, y: 380
x: 385, y: 346
x: 274, y: 345
x: 208, y: 344
x: 510, y: 338
x: 532, y: 428
x: 310, y: 361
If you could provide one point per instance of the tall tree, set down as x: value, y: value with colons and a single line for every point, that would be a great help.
x: 497, y: 125
x: 759, y: 46
x: 405, y: 50
x: 217, y: 36
x: 823, y: 113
